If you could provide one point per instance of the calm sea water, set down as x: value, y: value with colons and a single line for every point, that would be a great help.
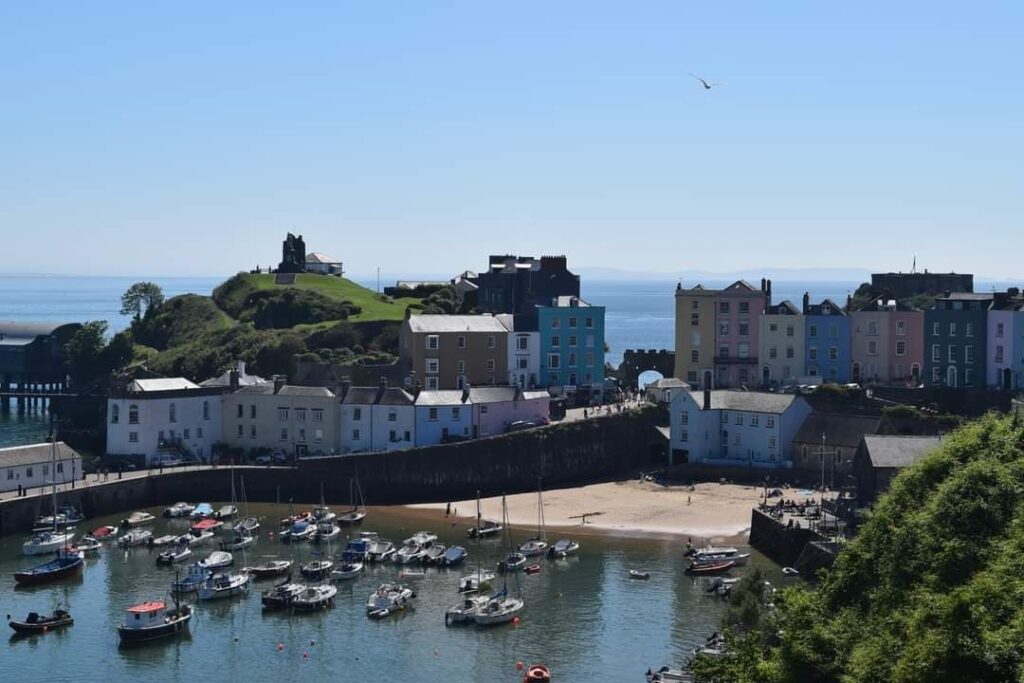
x: 584, y: 618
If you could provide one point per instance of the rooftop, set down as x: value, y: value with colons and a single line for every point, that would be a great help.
x: 899, y: 451
x: 839, y: 430
x: 19, y: 334
x: 320, y: 257
x: 749, y: 401
x: 442, y: 397
x: 15, y: 456
x: 294, y: 390
x: 434, y: 324
x: 966, y: 296
x: 162, y: 384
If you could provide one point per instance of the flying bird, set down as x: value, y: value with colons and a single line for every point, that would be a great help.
x: 707, y: 86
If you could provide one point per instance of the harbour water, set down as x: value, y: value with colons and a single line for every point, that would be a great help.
x: 584, y: 617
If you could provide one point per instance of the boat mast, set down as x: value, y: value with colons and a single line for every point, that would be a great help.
x: 53, y: 467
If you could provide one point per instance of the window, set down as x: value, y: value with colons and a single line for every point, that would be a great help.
x: 590, y: 341
x: 252, y: 411
x: 282, y: 414
x: 833, y: 331
x: 736, y: 439
x: 318, y: 435
x: 523, y: 363
x: 460, y: 367
x: 754, y: 420
x: 490, y: 365
x: 770, y: 421
x: 969, y: 329
x: 357, y: 414
x: 771, y: 442
x: 723, y: 350
x: 252, y: 431
x: 952, y: 329
x: 590, y: 323
x: 969, y: 353
x: 28, y: 470
x: 968, y: 377
x: 872, y: 347
x: 432, y: 342
x: 684, y: 418
x: 555, y: 323
x: 695, y: 319
x: 284, y: 433
x: 873, y: 328
x: 999, y: 329
x: 490, y: 341
x: 456, y: 414
x: 738, y: 418
x: 302, y: 434
x: 812, y: 353
x: 684, y: 435
x: 694, y: 356
x: 407, y: 436
x: 241, y: 431
x: 392, y: 416
x: 901, y: 348
x: 936, y: 377
x: 433, y: 366
x: 553, y: 361
x: 432, y: 414
x: 133, y: 437
x: 935, y: 329
x: 691, y: 376
x: 790, y: 330
x: 952, y: 353
x: 392, y: 436
x: 199, y: 432
x: 556, y: 341
x: 744, y: 350
x: 725, y: 418
x: 572, y: 323
x: 723, y: 328
x: 812, y: 331
x: 813, y: 371
x: 460, y: 342
x: 240, y: 413
x: 789, y: 352
x: 355, y: 435
x: 744, y: 307
x: 833, y: 353
x: 723, y: 307
x: 936, y: 353
x: 483, y: 409
x: 523, y: 342
x: 744, y: 329
x: 999, y: 354
x: 206, y: 410
x: 115, y: 414
x: 318, y: 414
x: 572, y: 341
x: 773, y: 327
x: 901, y: 328
x: 186, y: 434
x: 300, y: 414
x: 432, y: 383
x: 172, y: 413
x: 572, y: 360
x: 744, y: 377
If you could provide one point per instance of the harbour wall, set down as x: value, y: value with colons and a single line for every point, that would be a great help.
x: 568, y: 454
x: 801, y: 548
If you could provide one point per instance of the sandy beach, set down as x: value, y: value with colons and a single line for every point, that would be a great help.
x: 709, y: 512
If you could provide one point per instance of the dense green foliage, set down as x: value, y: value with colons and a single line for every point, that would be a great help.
x: 284, y: 308
x: 932, y: 586
x: 178, y: 321
x: 91, y: 357
x: 141, y: 298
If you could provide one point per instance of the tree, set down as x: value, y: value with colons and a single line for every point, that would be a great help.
x: 85, y: 349
x: 141, y: 298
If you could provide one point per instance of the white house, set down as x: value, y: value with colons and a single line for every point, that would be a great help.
x: 291, y: 420
x: 664, y: 389
x: 523, y: 356
x: 495, y: 408
x: 781, y: 345
x: 442, y: 416
x: 317, y: 262
x: 33, y: 465
x: 735, y: 428
x: 382, y: 419
x: 155, y: 419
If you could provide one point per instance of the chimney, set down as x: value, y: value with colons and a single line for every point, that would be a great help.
x: 707, y: 399
x: 408, y: 312
x: 807, y: 303
x: 241, y: 368
x: 465, y: 391
x: 849, y: 302
x: 768, y: 292
x: 764, y: 286
x: 383, y: 382
x: 233, y: 379
x: 346, y: 384
x: 279, y: 381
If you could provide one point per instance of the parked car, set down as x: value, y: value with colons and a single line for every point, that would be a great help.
x: 277, y: 459
x: 520, y: 425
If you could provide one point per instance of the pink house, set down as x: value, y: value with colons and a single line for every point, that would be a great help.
x: 495, y: 408
x: 906, y: 339
x: 737, y: 309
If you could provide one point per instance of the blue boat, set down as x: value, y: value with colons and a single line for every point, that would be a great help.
x: 68, y: 563
x: 298, y: 531
x: 202, y: 511
x: 357, y: 550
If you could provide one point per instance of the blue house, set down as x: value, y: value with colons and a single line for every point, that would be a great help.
x: 827, y: 341
x: 571, y: 347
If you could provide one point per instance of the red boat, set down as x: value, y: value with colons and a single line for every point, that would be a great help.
x: 104, y: 533
x: 206, y: 525
x: 537, y: 673
x: 715, y: 567
x: 532, y: 569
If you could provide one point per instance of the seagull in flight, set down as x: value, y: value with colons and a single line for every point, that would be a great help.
x: 707, y: 86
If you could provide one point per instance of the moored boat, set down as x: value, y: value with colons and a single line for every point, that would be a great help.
x: 500, y: 609
x: 282, y: 594
x: 137, y: 519
x: 201, y: 511
x: 239, y: 540
x: 381, y: 550
x: 223, y: 585
x: 563, y: 548
x: 68, y: 563
x: 486, y: 528
x: 195, y: 576
x: 66, y: 515
x: 472, y: 583
x: 326, y: 531
x: 104, y: 533
x: 47, y: 542
x: 180, y: 509
x: 639, y: 574
x: 710, y: 567
x: 513, y: 561
x: 433, y: 554
x: 218, y: 559
x: 198, y: 538
x: 347, y: 571
x: 317, y: 569
x: 206, y: 524
x: 226, y: 512
x: 134, y: 538
x: 466, y: 610
x: 299, y: 530
x: 534, y: 547
x: 178, y: 553
x: 537, y: 673
x: 389, y: 598
x: 36, y: 623
x: 250, y: 524
x: 152, y: 620
x: 453, y: 555
x: 314, y: 598
x: 158, y: 541
x: 269, y: 569
x: 88, y: 544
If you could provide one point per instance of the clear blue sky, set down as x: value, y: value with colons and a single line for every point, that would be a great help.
x: 187, y: 138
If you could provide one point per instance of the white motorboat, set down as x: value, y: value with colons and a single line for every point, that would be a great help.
x: 282, y: 594
x: 218, y: 559
x: 178, y: 553
x: 195, y: 576
x: 486, y: 528
x: 473, y: 583
x: 500, y: 609
x: 47, y: 542
x: 465, y: 611
x: 513, y: 562
x: 314, y: 598
x: 250, y: 524
x: 66, y: 515
x: 381, y: 550
x: 346, y: 571
x: 711, y: 554
x: 409, y: 552
x: 563, y: 548
x: 534, y: 547
x: 434, y: 554
x: 226, y: 512
x: 269, y: 569
x: 137, y: 519
x: 326, y: 531
x: 198, y: 537
x: 221, y: 586
x: 322, y: 513
x: 317, y: 570
x: 239, y: 541
x: 181, y: 509
x: 389, y: 598
x: 424, y: 539
x: 158, y: 541
x: 88, y: 544
x: 134, y: 538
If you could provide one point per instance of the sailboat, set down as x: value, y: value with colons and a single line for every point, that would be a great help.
x: 248, y: 523
x: 471, y: 604
x: 356, y: 514
x: 539, y: 544
x: 514, y: 559
x: 326, y: 529
x: 501, y: 608
x: 54, y: 539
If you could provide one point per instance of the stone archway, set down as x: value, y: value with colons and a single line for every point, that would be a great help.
x: 636, y: 361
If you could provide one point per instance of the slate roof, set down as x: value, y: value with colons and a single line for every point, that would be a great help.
x: 669, y: 383
x: 389, y: 396
x: 256, y: 389
x: 816, y: 309
x: 360, y: 396
x: 749, y: 401
x: 15, y: 456
x: 162, y: 384
x: 839, y: 430
x: 393, y: 396
x: 294, y: 390
x: 456, y: 323
x: 898, y: 451
x: 492, y: 394
x: 441, y: 397
x: 785, y: 308
x: 320, y: 257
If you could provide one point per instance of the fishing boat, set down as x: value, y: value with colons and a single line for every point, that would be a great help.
x: 466, y: 610
x: 178, y: 553
x: 300, y: 530
x: 152, y: 620
x: 223, y: 585
x: 317, y: 569
x: 282, y: 594
x: 269, y: 569
x: 65, y: 516
x: 325, y: 532
x: 218, y: 559
x: 710, y: 567
x: 314, y: 598
x: 104, y: 533
x: 158, y: 541
x: 356, y: 514
x: 137, y: 519
x: 433, y: 554
x: 202, y: 511
x: 68, y: 563
x: 195, y: 576
x: 88, y: 544
x: 356, y: 550
x: 538, y: 545
x: 500, y: 609
x: 563, y: 548
x: 639, y: 574
x: 388, y: 599
x: 36, y: 623
x: 47, y: 542
x: 225, y: 512
x: 198, y: 538
x: 134, y: 538
x: 453, y: 555
x: 486, y: 528
x: 381, y: 550
x: 475, y: 582
x: 239, y: 540
x: 180, y: 509
x: 206, y: 524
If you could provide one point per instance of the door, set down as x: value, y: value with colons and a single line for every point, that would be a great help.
x: 856, y: 373
x: 766, y: 376
x: 1007, y: 379
x: 951, y: 377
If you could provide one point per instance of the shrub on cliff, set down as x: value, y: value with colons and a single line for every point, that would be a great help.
x: 179, y: 320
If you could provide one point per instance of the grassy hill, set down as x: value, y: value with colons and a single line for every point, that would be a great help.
x: 231, y: 296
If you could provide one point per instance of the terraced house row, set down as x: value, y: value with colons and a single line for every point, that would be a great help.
x: 736, y: 337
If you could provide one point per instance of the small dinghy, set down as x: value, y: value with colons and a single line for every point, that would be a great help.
x: 137, y: 519
x: 269, y: 569
x: 158, y: 541
x: 218, y: 559
x: 639, y: 575
x: 537, y: 673
x: 563, y: 548
x: 532, y: 569
x: 88, y: 544
x: 178, y: 553
x: 314, y: 598
x: 134, y: 538
x: 104, y: 533
x: 282, y: 594
x: 178, y: 510
x: 346, y: 571
x: 36, y: 623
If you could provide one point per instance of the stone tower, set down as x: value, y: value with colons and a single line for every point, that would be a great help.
x: 293, y: 255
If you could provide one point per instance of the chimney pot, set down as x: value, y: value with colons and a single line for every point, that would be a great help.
x: 707, y: 399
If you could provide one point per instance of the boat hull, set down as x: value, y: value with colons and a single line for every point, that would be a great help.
x: 137, y: 636
x: 60, y: 570
x: 28, y: 628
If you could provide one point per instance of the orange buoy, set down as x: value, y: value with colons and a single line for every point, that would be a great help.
x: 280, y: 647
x: 519, y: 666
x: 516, y: 621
